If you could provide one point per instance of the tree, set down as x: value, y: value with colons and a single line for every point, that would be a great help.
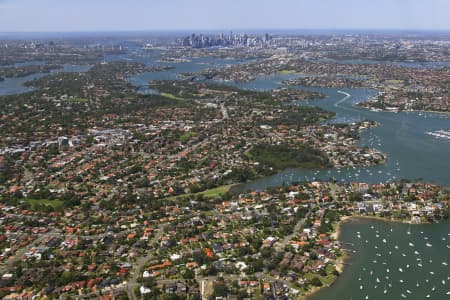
x: 316, y: 282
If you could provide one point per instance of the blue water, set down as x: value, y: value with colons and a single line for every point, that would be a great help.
x: 393, y: 265
x: 14, y: 86
x: 412, y: 154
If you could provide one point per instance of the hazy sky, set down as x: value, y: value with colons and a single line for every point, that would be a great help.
x: 106, y: 15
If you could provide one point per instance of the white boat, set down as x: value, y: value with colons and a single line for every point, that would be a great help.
x: 416, y: 252
x: 403, y: 295
x: 378, y: 280
x: 444, y: 263
x: 408, y: 291
x: 401, y: 280
x: 428, y: 245
x: 361, y: 287
x: 431, y: 272
x: 411, y: 244
x: 400, y: 269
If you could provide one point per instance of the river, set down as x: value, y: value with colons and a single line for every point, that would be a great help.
x: 392, y: 260
x: 411, y: 154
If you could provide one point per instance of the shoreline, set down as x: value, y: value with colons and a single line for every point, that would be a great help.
x: 341, y: 261
x: 370, y: 108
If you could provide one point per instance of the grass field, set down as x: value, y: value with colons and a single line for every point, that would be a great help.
x: 287, y: 72
x: 216, y: 191
x: 208, y: 193
x: 326, y: 280
x: 56, y: 204
x: 171, y: 96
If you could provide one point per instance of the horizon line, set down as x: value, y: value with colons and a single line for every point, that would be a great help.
x: 230, y: 29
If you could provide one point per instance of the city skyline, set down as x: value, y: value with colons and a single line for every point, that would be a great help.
x: 178, y: 15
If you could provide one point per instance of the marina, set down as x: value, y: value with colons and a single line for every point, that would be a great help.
x: 429, y: 278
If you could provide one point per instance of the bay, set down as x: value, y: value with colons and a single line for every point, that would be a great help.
x: 414, y: 262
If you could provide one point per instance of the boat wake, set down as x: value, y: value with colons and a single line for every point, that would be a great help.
x: 347, y: 95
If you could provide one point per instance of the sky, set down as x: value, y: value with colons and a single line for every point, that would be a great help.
x: 185, y: 15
